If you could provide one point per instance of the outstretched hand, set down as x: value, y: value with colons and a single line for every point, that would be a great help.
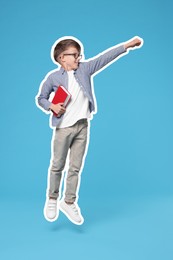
x: 136, y: 42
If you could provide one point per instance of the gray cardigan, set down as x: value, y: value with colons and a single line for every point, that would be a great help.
x: 83, y: 74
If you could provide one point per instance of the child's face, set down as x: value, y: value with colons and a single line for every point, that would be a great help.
x: 70, y: 58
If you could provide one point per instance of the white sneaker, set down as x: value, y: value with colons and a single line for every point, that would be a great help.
x: 72, y: 212
x: 51, y: 211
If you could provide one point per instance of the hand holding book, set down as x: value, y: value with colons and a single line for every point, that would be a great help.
x: 60, y: 101
x: 58, y: 109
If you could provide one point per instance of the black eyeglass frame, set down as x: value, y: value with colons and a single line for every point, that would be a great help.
x: 75, y: 55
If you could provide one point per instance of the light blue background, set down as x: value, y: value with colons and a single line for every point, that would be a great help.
x: 126, y: 192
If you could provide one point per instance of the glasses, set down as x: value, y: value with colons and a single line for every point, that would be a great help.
x: 75, y: 55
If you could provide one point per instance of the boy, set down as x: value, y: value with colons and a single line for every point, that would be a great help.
x: 71, y: 131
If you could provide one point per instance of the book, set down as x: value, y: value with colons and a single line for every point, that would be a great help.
x: 61, y: 96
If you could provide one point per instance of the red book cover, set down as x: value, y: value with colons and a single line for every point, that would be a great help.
x: 61, y: 96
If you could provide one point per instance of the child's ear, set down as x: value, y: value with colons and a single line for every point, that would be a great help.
x: 61, y: 58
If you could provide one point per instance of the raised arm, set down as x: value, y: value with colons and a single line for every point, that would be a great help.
x: 105, y: 58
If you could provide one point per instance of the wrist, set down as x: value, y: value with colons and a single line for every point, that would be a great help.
x: 51, y: 106
x: 126, y: 45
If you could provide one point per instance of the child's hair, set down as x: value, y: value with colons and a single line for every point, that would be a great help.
x: 64, y: 45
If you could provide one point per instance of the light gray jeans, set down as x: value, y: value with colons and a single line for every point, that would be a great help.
x: 73, y: 140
